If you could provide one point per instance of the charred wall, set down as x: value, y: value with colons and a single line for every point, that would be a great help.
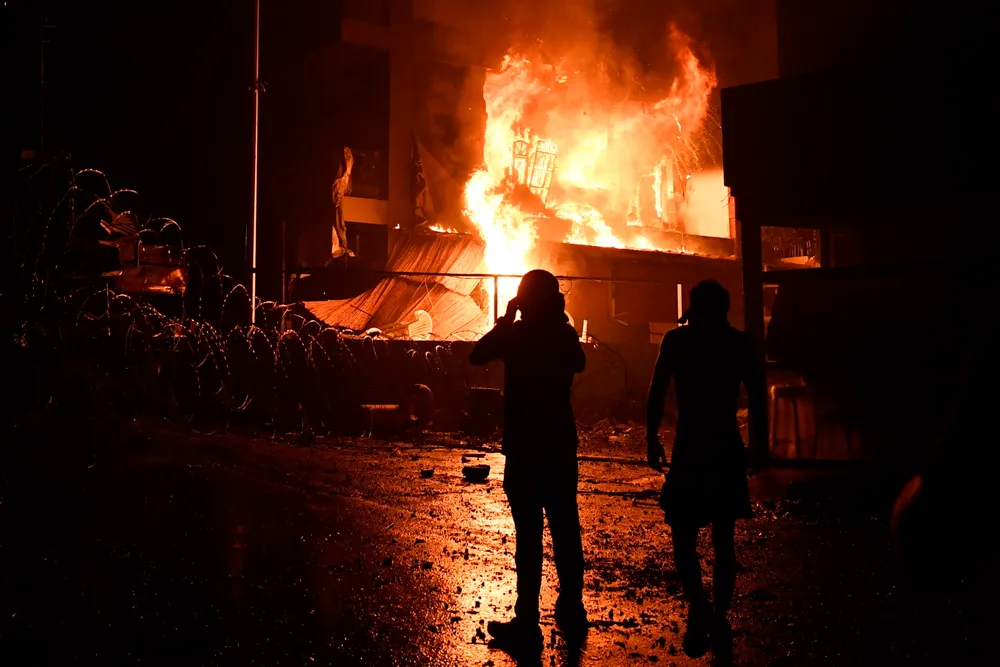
x: 322, y: 95
x: 632, y: 304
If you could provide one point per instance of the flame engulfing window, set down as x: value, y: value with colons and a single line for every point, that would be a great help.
x: 542, y: 166
x: 534, y: 165
x: 655, y: 202
x: 522, y: 158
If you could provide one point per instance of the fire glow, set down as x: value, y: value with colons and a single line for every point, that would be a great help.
x: 569, y: 156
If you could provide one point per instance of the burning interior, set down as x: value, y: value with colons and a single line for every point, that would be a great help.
x: 570, y: 156
x: 574, y: 153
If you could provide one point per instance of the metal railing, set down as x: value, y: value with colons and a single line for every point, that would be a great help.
x: 495, y: 277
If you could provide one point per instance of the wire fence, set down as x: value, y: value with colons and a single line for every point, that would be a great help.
x: 195, y: 353
x: 188, y: 353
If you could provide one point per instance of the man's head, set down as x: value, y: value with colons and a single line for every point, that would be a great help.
x: 709, y: 303
x: 538, y: 296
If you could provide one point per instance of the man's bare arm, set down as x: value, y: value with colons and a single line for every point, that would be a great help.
x: 754, y: 379
x: 658, y: 387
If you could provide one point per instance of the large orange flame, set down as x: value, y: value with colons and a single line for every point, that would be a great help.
x: 610, y: 185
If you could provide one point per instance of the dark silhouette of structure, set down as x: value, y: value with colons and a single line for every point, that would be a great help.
x: 541, y: 354
x: 707, y: 482
x: 830, y: 147
x: 938, y: 522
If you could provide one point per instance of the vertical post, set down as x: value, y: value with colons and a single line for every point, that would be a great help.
x: 41, y: 91
x: 825, y: 248
x: 256, y: 119
x: 680, y: 301
x: 401, y: 101
x: 732, y: 216
x: 670, y: 205
x: 753, y: 303
x: 284, y: 266
x: 496, y: 298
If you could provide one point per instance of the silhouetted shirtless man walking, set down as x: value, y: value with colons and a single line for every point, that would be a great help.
x: 541, y: 353
x: 707, y: 482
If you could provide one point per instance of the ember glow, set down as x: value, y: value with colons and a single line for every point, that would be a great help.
x: 570, y: 155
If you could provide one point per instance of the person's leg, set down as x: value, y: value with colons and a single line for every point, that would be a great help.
x: 685, y: 539
x: 723, y: 585
x: 526, y: 509
x: 688, y: 565
x: 522, y: 633
x: 563, y: 513
x: 724, y: 578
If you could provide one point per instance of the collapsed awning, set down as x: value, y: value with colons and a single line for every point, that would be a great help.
x: 451, y: 302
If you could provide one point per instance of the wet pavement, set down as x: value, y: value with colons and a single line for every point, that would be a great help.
x: 140, y: 543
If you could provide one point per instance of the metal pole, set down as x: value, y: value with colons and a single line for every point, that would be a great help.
x: 41, y: 93
x: 284, y: 266
x: 301, y: 270
x: 680, y: 301
x: 256, y: 118
x: 496, y: 298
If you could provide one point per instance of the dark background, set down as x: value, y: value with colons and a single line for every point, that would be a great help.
x: 158, y: 95
x: 154, y: 94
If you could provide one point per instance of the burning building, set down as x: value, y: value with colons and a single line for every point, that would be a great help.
x: 557, y: 155
x: 568, y: 157
x: 572, y: 152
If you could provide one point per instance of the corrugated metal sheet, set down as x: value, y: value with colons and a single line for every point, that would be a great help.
x: 455, y: 314
x: 396, y: 299
x: 440, y: 253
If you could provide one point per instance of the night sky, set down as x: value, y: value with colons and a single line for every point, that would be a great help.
x: 155, y: 94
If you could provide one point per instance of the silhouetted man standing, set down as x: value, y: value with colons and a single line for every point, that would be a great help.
x: 707, y: 481
x: 541, y: 353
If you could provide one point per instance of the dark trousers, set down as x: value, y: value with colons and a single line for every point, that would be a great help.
x: 533, y: 489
